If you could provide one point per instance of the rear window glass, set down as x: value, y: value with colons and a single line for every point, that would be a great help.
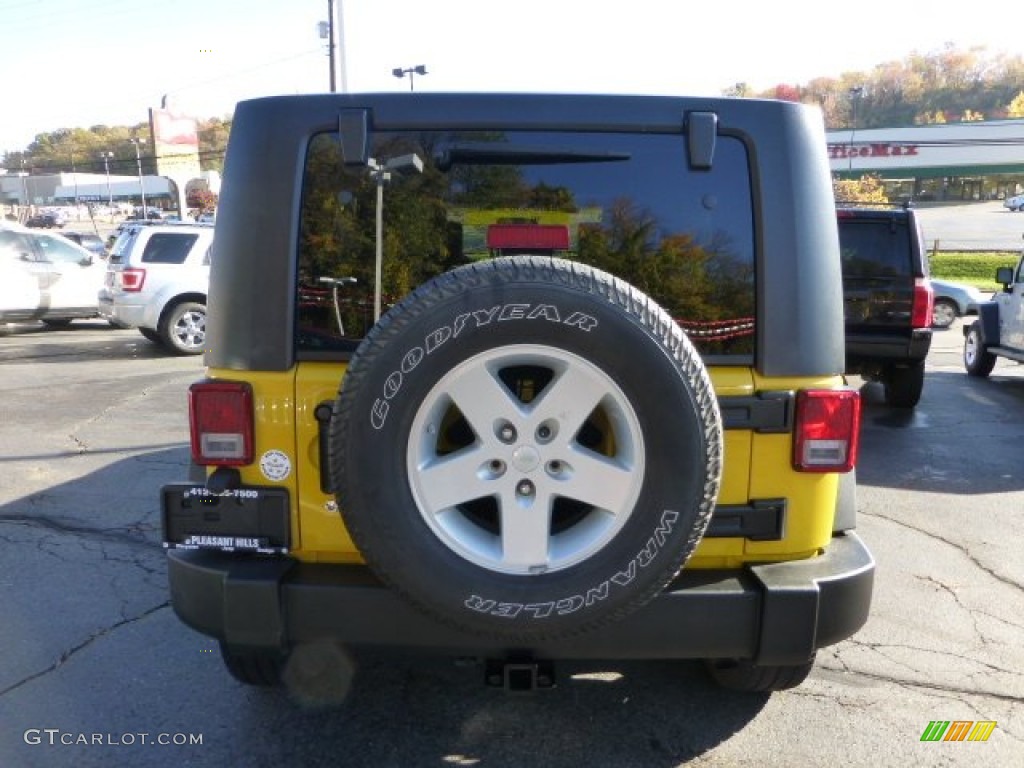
x: 626, y: 203
x: 875, y: 247
x: 168, y: 248
x: 122, y: 246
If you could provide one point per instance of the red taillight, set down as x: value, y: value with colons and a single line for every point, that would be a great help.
x: 827, y: 430
x: 132, y: 280
x: 924, y: 299
x: 220, y: 420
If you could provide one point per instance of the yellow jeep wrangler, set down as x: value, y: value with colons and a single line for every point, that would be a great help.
x: 523, y: 378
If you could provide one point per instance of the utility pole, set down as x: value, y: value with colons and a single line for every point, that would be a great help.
x: 330, y: 44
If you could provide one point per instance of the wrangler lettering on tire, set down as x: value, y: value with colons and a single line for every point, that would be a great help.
x: 526, y: 448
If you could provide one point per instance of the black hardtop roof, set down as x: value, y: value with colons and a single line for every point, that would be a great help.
x: 514, y: 110
x: 251, y: 326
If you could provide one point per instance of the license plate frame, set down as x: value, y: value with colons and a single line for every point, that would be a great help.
x: 251, y: 519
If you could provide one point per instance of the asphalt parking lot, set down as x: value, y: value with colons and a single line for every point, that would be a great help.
x: 92, y: 423
x: 971, y: 226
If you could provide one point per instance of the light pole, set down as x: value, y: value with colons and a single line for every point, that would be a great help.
x: 380, y: 172
x: 855, y: 94
x: 419, y: 69
x: 24, y: 183
x: 142, y: 187
x: 74, y: 175
x: 105, y: 157
x: 382, y: 176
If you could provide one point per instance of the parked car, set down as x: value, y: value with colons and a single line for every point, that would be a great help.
x: 46, y: 221
x: 887, y: 298
x: 46, y: 277
x: 112, y: 238
x: 89, y: 241
x: 954, y: 300
x: 527, y: 458
x: 156, y: 281
x: 1015, y: 203
x: 152, y: 214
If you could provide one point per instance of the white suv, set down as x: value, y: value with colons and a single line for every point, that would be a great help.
x: 157, y: 278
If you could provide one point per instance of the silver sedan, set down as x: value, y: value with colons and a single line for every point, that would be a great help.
x: 953, y: 300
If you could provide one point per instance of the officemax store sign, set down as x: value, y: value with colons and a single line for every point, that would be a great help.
x: 846, y: 151
x: 975, y: 148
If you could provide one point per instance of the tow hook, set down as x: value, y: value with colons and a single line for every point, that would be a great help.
x: 519, y: 675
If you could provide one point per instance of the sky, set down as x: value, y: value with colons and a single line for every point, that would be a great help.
x: 79, y: 63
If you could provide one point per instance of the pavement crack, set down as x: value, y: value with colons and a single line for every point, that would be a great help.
x: 922, y: 685
x: 66, y: 655
x: 972, y: 613
x: 955, y: 545
x: 62, y: 526
x: 882, y: 650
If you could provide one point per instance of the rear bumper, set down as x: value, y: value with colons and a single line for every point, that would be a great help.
x: 133, y: 315
x: 772, y: 614
x: 866, y: 351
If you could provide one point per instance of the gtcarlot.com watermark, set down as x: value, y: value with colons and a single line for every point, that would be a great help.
x: 56, y: 737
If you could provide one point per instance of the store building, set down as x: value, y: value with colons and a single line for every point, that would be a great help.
x: 954, y: 161
x: 24, y: 190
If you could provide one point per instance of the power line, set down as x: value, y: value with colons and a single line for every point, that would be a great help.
x: 236, y: 73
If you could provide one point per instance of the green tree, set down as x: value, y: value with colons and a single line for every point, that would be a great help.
x: 80, y: 149
x: 213, y: 140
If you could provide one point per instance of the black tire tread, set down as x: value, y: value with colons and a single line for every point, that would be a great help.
x: 984, y: 362
x: 258, y: 668
x: 903, y: 386
x: 743, y: 675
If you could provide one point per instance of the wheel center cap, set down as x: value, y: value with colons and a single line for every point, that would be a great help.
x: 525, y: 458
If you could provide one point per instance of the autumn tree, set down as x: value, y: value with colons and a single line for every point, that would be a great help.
x: 866, y: 189
x: 1016, y: 107
x: 947, y: 84
x: 203, y: 199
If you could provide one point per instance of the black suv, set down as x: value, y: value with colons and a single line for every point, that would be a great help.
x: 523, y: 378
x: 887, y: 298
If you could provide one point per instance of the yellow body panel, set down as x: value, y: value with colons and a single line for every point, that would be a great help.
x: 757, y: 466
x: 324, y: 537
x: 273, y: 430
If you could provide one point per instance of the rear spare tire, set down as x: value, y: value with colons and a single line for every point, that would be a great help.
x: 526, y: 448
